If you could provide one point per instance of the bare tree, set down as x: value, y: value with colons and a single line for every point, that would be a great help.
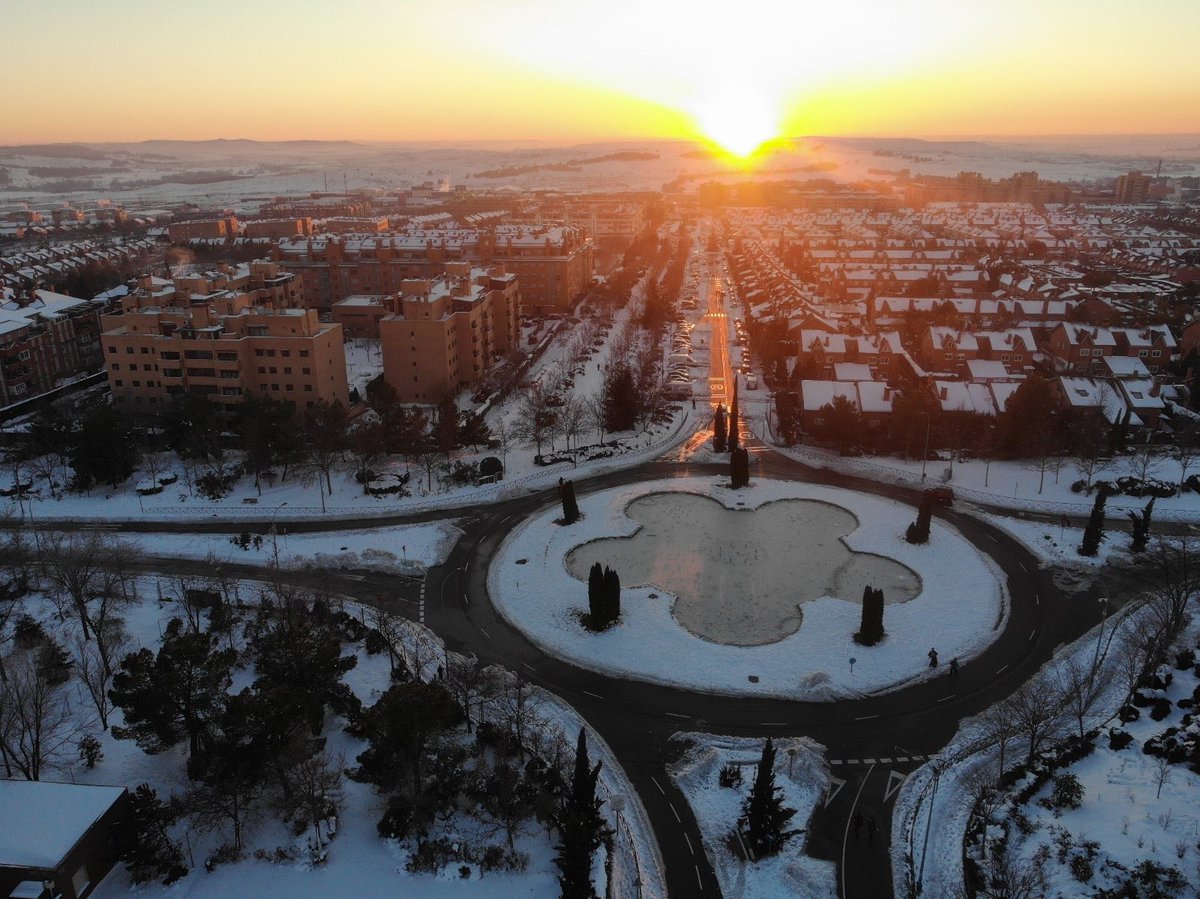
x: 1144, y: 462
x: 91, y: 576
x: 1175, y: 584
x: 1035, y: 711
x: 93, y: 677
x: 316, y: 783
x: 1080, y: 683
x: 1007, y: 875
x: 571, y: 420
x: 37, y: 724
x: 470, y: 683
x: 535, y: 417
x: 594, y: 410
x: 503, y: 432
x: 1162, y: 775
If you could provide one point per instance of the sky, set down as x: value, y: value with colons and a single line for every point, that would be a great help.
x: 736, y: 73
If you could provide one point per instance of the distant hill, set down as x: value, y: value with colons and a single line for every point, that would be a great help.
x: 53, y: 151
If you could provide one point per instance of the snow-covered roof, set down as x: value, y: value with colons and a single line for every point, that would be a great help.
x: 43, y: 820
x: 1125, y: 367
x: 851, y: 371
x: 986, y: 370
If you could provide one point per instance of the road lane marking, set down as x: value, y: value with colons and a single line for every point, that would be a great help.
x: 1032, y: 632
x: 699, y: 882
x: 671, y: 806
x: 947, y: 698
x: 689, y: 842
x: 895, y: 782
x: 849, y: 817
x: 676, y: 715
x: 485, y: 633
x: 774, y: 724
x: 656, y: 783
x: 530, y: 667
x: 866, y: 717
x: 851, y: 761
x: 868, y: 761
x: 835, y: 787
x: 1000, y: 670
x: 591, y: 694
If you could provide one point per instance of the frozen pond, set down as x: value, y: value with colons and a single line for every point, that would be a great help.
x: 741, y: 577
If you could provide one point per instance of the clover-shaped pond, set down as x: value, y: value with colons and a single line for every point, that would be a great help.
x: 741, y: 577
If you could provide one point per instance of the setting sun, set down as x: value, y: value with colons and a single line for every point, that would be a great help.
x: 740, y: 122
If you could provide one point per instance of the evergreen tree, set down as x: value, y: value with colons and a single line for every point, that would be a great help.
x: 175, y: 694
x: 581, y: 828
x: 1094, y: 532
x: 719, y: 431
x: 918, y: 531
x: 732, y: 441
x: 870, y: 630
x: 104, y: 450
x: 1141, y: 527
x: 620, y: 398
x: 739, y: 468
x: 764, y: 815
x: 148, y: 851
x: 570, y: 506
x: 596, y: 585
x: 612, y: 597
x: 1119, y: 435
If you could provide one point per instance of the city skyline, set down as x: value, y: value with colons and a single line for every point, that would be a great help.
x: 388, y: 72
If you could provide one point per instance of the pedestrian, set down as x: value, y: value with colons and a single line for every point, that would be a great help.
x: 871, y: 828
x: 954, y: 667
x: 693, y: 404
x: 857, y: 822
x: 933, y: 658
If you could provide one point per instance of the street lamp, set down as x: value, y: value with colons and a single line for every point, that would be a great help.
x: 928, y: 818
x: 925, y: 455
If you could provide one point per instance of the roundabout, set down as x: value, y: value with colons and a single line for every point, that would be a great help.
x: 748, y: 593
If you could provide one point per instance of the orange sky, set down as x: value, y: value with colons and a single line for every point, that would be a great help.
x: 536, y: 69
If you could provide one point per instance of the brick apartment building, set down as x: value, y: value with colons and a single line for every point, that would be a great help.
x: 553, y: 264
x: 444, y: 335
x: 262, y: 282
x: 45, y: 338
x: 210, y: 229
x: 154, y: 353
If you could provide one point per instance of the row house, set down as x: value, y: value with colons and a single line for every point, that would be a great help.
x: 872, y: 400
x: 1081, y: 349
x: 825, y: 349
x: 947, y: 349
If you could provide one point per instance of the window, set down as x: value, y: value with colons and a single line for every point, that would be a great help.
x: 306, y: 370
x: 1141, y: 354
x: 290, y: 387
x: 304, y: 354
x: 24, y: 355
x: 172, y: 372
x: 116, y: 366
x: 169, y: 354
x: 197, y: 354
x: 227, y: 357
x: 273, y: 370
x: 1154, y: 354
x: 308, y: 389
x: 259, y: 353
x: 128, y: 351
x: 112, y: 349
x: 275, y: 387
x: 262, y: 370
x: 145, y: 351
x: 119, y: 383
x: 285, y: 353
x: 287, y: 369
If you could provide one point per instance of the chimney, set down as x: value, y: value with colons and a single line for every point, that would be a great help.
x: 945, y: 393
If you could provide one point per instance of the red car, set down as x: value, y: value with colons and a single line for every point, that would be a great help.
x: 943, y: 496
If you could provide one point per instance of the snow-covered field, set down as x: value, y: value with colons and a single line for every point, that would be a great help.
x: 802, y: 775
x: 962, y: 602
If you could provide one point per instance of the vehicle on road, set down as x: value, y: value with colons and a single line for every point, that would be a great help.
x: 943, y: 496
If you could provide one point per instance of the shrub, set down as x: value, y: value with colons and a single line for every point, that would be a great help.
x: 1185, y: 659
x: 90, y: 751
x: 1067, y: 793
x: 397, y: 819
x: 1081, y: 868
x: 1160, y: 709
x: 1128, y: 713
x: 1118, y: 739
x: 433, y: 856
x: 730, y: 775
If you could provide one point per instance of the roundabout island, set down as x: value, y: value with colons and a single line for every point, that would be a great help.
x: 754, y: 592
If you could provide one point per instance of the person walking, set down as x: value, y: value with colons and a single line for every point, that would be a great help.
x: 933, y: 663
x: 857, y: 822
x: 954, y: 667
x: 871, y: 828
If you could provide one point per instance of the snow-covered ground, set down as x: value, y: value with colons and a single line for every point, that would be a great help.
x: 364, y: 362
x: 360, y: 862
x: 406, y: 549
x: 934, y: 806
x: 803, y: 777
x: 962, y: 600
x: 1016, y: 484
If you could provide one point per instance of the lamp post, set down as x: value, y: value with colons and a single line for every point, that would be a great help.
x: 925, y: 454
x: 275, y: 533
x: 928, y: 818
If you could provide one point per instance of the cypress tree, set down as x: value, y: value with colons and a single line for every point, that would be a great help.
x: 1141, y: 527
x: 732, y: 440
x: 764, y: 814
x: 739, y: 467
x: 1094, y: 532
x: 870, y: 629
x: 570, y: 507
x: 580, y: 827
x: 612, y: 597
x: 595, y: 595
x: 918, y: 531
x: 719, y: 431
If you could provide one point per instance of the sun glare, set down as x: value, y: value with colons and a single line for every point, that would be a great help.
x: 738, y: 121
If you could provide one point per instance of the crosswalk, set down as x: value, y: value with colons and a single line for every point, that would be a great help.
x: 885, y: 760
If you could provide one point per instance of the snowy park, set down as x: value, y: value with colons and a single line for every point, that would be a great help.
x: 956, y: 600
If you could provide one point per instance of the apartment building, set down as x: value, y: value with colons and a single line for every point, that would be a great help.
x: 554, y: 264
x: 219, y: 229
x: 45, y: 338
x: 445, y: 335
x: 155, y: 353
x: 261, y: 283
